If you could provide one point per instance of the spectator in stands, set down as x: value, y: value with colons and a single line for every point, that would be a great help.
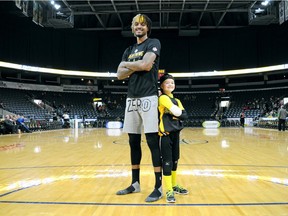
x: 2, y: 127
x: 55, y: 116
x: 140, y: 63
x: 20, y: 122
x: 10, y: 125
x: 118, y: 106
x: 66, y: 119
x: 54, y: 105
x: 242, y: 118
x: 282, y: 114
x: 85, y: 124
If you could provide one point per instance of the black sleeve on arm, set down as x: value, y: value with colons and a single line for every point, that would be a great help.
x: 126, y: 53
x: 183, y: 116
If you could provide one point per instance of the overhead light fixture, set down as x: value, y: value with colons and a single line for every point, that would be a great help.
x: 113, y: 74
x: 57, y: 6
x: 265, y: 3
x: 259, y: 10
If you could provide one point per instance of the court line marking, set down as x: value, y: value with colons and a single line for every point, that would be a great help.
x: 117, y: 165
x: 148, y: 204
x: 201, y: 173
x: 14, y: 191
x: 191, y: 204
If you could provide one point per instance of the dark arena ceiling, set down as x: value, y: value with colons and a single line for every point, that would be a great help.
x: 186, y: 16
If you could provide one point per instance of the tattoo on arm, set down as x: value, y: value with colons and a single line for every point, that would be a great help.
x: 125, y: 69
x: 145, y: 64
x: 123, y: 72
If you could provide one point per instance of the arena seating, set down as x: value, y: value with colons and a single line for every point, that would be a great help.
x: 18, y: 102
x: 201, y: 106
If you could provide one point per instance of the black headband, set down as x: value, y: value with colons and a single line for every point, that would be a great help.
x: 164, y: 77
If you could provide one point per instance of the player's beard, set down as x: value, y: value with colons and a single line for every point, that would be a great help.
x: 139, y: 36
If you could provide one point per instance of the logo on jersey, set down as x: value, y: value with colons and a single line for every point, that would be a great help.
x: 134, y: 56
x: 154, y: 49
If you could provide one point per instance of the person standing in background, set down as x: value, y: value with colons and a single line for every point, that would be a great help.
x: 242, y: 118
x: 282, y: 114
x: 22, y: 126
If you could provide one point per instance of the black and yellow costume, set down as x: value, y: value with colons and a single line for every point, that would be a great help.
x: 169, y: 122
x: 169, y: 130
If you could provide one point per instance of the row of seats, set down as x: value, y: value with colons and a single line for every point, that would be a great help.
x: 198, y: 105
x: 42, y: 125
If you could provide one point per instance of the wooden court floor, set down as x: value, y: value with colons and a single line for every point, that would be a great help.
x: 228, y: 171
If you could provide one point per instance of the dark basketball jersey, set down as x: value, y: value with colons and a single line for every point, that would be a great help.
x: 143, y: 83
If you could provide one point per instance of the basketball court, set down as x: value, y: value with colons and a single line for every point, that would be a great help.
x: 228, y: 171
